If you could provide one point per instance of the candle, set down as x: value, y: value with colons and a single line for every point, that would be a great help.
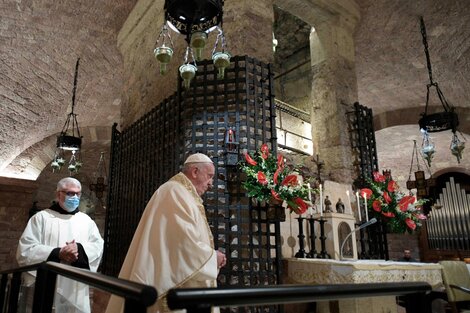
x: 365, y: 206
x: 310, y: 210
x: 358, y: 206
x: 349, y: 202
x: 321, y: 201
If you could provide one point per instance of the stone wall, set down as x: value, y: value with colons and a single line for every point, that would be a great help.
x: 15, y: 202
x: 399, y: 242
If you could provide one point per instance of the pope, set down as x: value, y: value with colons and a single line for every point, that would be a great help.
x: 173, y: 245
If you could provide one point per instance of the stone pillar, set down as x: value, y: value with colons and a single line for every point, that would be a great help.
x: 334, y: 90
x: 248, y: 30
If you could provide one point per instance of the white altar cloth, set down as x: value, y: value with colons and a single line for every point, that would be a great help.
x: 324, y: 271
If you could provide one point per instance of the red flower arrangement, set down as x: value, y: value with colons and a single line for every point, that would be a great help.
x: 400, y: 212
x: 269, y: 177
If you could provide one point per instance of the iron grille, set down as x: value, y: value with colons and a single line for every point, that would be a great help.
x: 151, y: 150
x: 375, y: 244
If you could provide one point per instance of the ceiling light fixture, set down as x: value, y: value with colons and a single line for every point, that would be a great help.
x: 69, y: 138
x: 195, y: 19
x: 440, y: 121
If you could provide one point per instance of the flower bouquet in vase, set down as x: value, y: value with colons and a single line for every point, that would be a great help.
x: 270, y: 180
x: 401, y: 213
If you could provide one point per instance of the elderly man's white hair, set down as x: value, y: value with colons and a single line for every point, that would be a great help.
x: 64, y: 182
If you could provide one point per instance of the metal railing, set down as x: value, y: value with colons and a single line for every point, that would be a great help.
x: 137, y: 296
x: 200, y: 300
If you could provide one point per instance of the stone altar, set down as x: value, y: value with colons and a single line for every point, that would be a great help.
x: 321, y: 271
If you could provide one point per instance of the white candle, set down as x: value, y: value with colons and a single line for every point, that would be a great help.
x: 349, y: 202
x: 310, y: 210
x: 321, y: 201
x: 365, y: 206
x: 358, y: 206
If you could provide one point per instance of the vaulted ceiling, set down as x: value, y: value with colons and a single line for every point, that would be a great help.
x: 40, y: 41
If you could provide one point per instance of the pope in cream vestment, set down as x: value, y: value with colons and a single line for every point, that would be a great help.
x: 172, y: 246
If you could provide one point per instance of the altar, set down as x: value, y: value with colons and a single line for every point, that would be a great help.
x: 324, y: 271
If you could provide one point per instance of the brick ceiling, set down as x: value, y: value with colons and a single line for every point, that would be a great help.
x: 41, y: 40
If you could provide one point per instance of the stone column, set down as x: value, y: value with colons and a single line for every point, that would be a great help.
x: 248, y: 28
x: 334, y: 90
x: 334, y: 85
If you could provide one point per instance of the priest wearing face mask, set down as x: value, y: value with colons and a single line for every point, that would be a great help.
x: 63, y: 234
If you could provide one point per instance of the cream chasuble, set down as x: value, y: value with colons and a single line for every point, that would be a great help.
x: 49, y: 229
x: 172, y: 246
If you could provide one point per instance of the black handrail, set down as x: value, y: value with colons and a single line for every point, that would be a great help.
x: 137, y: 296
x: 26, y: 268
x: 14, y: 285
x: 202, y: 299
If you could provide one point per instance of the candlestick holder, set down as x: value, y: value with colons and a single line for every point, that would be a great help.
x: 323, y: 254
x: 362, y: 240
x: 313, y: 252
x: 301, y: 253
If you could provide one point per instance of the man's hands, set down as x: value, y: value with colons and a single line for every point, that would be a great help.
x: 221, y: 259
x: 69, y: 252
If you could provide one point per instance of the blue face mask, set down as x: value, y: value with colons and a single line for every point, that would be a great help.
x: 71, y: 203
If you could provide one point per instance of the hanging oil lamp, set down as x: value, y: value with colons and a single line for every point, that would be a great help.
x: 60, y: 161
x: 456, y: 147
x: 198, y: 43
x: 72, y: 168
x: 187, y: 70
x: 163, y: 52
x: 221, y: 59
x: 427, y: 147
x: 55, y: 166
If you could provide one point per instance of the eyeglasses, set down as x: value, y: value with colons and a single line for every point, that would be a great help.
x: 71, y: 193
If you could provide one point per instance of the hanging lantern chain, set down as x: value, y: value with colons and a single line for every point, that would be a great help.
x: 75, y: 84
x: 164, y: 33
x: 443, y: 100
x: 415, y: 152
x: 72, y: 116
x: 221, y: 37
x: 426, y: 50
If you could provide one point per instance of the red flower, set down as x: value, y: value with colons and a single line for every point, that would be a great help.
x: 405, y: 202
x: 392, y: 186
x: 262, y: 178
x: 280, y: 161
x: 290, y: 180
x: 378, y: 177
x: 410, y: 223
x: 249, y: 160
x: 377, y: 205
x: 276, y: 174
x: 302, y: 206
x: 387, y: 197
x: 264, y: 151
x: 366, y: 191
x: 275, y: 195
x: 388, y: 214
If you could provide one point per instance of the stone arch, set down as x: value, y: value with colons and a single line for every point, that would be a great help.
x: 411, y: 115
x: 30, y: 163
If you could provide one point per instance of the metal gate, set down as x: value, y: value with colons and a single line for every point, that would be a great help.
x: 150, y: 151
x: 374, y: 245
